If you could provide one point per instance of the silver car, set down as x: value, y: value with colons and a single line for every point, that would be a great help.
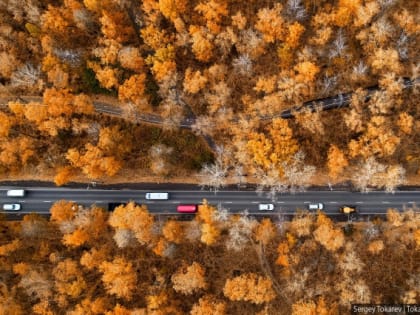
x: 157, y: 196
x: 11, y: 207
x: 315, y: 206
x: 265, y: 206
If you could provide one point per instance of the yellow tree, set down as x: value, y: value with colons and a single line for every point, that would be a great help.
x: 277, y: 149
x: 133, y: 89
x: 16, y: 153
x: 208, y: 305
x: 265, y: 231
x: 69, y: 278
x: 62, y: 211
x: 336, y: 161
x: 213, y: 11
x: 94, y: 257
x: 63, y: 175
x: 135, y: 218
x: 271, y: 24
x: 119, y: 277
x: 130, y: 58
x: 295, y: 32
x: 209, y: 230
x: 190, y: 279
x: 202, y: 47
x: 173, y: 231
x: 93, y: 161
x: 194, y: 81
x: 327, y: 235
x: 115, y: 24
x: 249, y: 287
x: 171, y: 9
x: 5, y: 124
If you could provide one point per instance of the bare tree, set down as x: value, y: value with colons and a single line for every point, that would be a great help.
x: 270, y: 179
x: 339, y: 45
x: 240, y: 232
x: 393, y: 177
x: 243, y: 64
x: 27, y: 75
x: 296, y: 9
x: 297, y: 173
x: 213, y: 176
x: 203, y: 125
x: 364, y: 176
x: 239, y: 174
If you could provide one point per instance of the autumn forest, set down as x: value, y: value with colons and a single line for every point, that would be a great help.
x: 193, y: 91
x: 222, y: 66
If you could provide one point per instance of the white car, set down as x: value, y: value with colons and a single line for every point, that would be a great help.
x: 157, y: 196
x: 265, y: 206
x: 315, y: 206
x: 11, y: 206
x: 16, y: 193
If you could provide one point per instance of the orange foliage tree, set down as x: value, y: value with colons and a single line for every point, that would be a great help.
x: 119, y: 277
x: 202, y: 47
x: 190, y: 279
x: 271, y: 24
x: 213, y: 11
x: 208, y: 305
x: 249, y: 287
x: 265, y: 231
x: 116, y: 25
x: 330, y: 237
x: 69, y: 279
x: 274, y: 150
x: 336, y: 161
x: 135, y: 218
x: 133, y: 89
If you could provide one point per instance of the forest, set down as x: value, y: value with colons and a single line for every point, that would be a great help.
x: 87, y: 261
x: 118, y: 91
x: 222, y: 66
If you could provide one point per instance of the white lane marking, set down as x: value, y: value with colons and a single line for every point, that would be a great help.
x: 175, y: 202
x: 333, y: 201
x: 46, y: 201
x: 228, y: 202
x: 410, y: 202
x: 306, y: 202
x: 280, y: 201
x: 385, y: 202
x: 255, y: 202
x: 98, y: 201
x: 359, y: 201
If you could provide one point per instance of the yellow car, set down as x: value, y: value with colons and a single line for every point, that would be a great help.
x: 347, y: 209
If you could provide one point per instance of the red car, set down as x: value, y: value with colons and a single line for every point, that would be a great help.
x: 187, y: 208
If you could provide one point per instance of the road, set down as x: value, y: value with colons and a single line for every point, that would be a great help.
x: 337, y: 101
x: 374, y: 203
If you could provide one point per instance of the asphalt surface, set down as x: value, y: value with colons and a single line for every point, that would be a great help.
x: 39, y: 200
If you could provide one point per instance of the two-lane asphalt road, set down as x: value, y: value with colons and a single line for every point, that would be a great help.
x: 374, y: 203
